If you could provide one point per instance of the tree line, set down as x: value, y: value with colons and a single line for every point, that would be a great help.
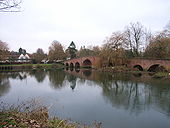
x: 134, y: 41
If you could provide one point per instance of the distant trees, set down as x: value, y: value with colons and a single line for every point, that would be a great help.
x: 89, y: 51
x: 128, y: 43
x: 84, y: 52
x: 113, y: 49
x: 159, y: 47
x: 10, y: 5
x: 56, y: 51
x: 133, y: 41
x: 96, y: 50
x: 39, y: 55
x: 4, y: 50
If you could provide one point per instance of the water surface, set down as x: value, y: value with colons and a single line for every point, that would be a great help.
x: 116, y: 100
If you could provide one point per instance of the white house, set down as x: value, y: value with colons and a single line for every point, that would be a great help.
x: 24, y: 58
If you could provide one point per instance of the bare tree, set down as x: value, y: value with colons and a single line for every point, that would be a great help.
x: 113, y: 51
x: 10, y: 5
x: 3, y: 50
x: 135, y: 35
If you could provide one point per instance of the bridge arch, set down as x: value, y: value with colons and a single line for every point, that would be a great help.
x: 87, y: 63
x: 71, y: 65
x: 67, y: 65
x: 139, y: 67
x: 156, y: 68
x: 77, y: 65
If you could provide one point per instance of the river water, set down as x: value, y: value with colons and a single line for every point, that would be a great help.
x: 85, y: 96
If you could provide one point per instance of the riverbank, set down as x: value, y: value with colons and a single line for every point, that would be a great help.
x: 15, y: 119
x: 23, y: 117
x: 124, y: 69
x: 20, y: 67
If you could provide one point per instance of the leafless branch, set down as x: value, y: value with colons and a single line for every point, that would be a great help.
x: 10, y: 5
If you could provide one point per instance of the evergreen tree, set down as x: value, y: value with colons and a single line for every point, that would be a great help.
x: 72, y: 50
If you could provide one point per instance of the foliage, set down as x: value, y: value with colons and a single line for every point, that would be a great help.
x: 56, y: 52
x: 39, y: 55
x: 89, y: 51
x: 71, y: 51
x: 159, y: 47
x: 84, y: 52
x: 22, y: 51
x: 113, y: 51
x: 4, y: 50
x: 32, y: 114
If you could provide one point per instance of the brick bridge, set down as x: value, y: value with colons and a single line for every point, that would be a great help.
x: 149, y: 64
x: 138, y: 63
x: 90, y: 61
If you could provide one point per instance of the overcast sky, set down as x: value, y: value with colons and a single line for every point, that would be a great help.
x: 86, y: 22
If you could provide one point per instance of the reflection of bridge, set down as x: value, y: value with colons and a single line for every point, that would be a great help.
x: 90, y: 61
x: 85, y: 74
x: 139, y: 63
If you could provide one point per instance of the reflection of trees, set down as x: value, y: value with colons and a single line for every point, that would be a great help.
x: 72, y: 79
x: 18, y: 75
x: 125, y: 95
x: 4, y: 84
x: 39, y: 75
x: 56, y: 78
x: 160, y: 97
x: 14, y: 75
x: 135, y: 96
x: 133, y: 93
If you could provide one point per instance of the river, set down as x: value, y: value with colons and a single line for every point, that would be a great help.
x: 115, y: 100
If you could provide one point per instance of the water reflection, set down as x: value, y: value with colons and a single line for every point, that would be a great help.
x: 18, y: 75
x: 87, y: 73
x: 4, y: 84
x: 135, y: 93
x: 56, y: 78
x: 39, y: 75
x: 126, y: 95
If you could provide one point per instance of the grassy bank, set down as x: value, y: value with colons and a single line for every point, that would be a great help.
x: 123, y: 69
x: 39, y: 119
x: 16, y: 67
x: 32, y: 115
